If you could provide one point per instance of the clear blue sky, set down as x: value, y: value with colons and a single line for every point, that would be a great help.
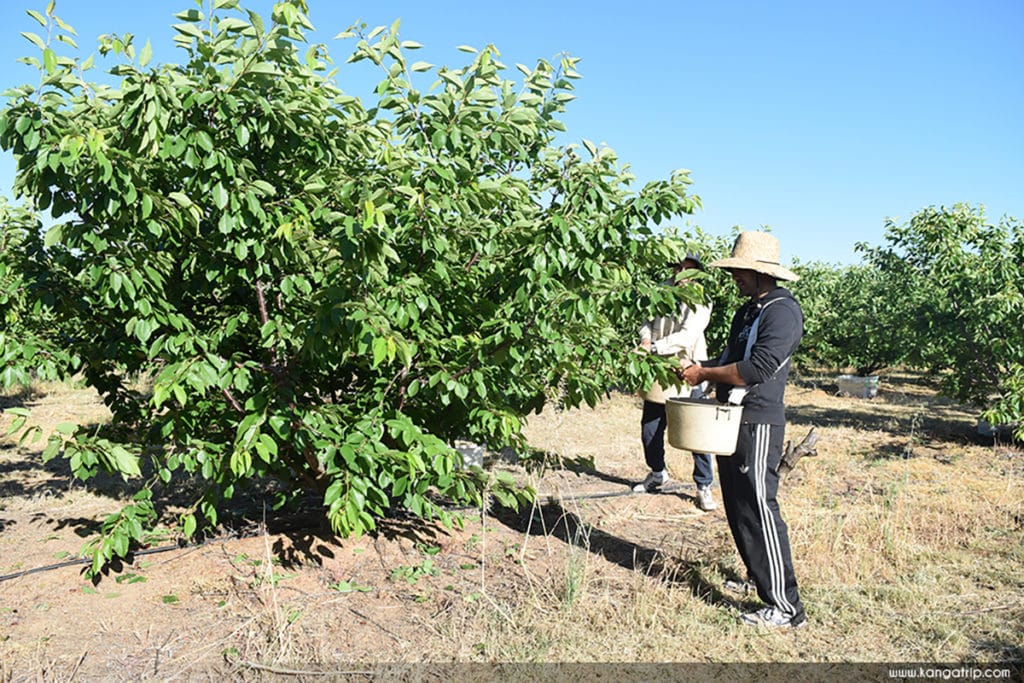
x: 819, y: 119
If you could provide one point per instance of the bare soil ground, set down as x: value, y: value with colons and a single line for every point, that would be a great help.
x: 907, y: 533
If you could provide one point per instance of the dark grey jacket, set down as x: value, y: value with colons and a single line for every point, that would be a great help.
x: 780, y: 325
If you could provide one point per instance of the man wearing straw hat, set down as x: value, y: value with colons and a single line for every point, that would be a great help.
x: 752, y: 372
x: 681, y: 335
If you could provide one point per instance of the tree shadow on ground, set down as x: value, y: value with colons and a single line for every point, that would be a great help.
x: 926, y: 424
x: 26, y: 475
x: 304, y: 547
x: 553, y: 521
x: 604, y: 476
x: 20, y: 398
x: 542, y: 460
x: 302, y: 532
x: 303, y: 535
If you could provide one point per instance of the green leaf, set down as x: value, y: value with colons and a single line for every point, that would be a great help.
x: 34, y: 39
x: 53, y: 446
x: 130, y: 578
x: 37, y: 16
x: 204, y: 141
x: 232, y: 24
x: 256, y: 20
x: 49, y: 60
x: 220, y: 196
x: 190, y: 15
x: 126, y: 463
x: 265, y: 68
x: 380, y: 350
x: 189, y: 30
x: 146, y: 54
x: 54, y: 235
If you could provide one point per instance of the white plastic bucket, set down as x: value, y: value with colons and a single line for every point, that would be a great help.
x: 858, y: 387
x: 659, y: 394
x: 702, y: 426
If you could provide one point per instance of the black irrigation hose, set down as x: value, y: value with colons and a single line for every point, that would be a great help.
x: 134, y: 553
x: 83, y: 561
x: 551, y: 498
x: 547, y: 499
x: 609, y: 494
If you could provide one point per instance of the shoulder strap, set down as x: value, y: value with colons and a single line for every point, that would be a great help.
x: 753, y: 327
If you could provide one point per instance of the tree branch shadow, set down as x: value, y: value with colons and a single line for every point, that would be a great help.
x: 553, y: 521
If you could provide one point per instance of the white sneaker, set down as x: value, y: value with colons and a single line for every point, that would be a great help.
x: 773, y: 618
x: 704, y: 499
x: 653, y: 481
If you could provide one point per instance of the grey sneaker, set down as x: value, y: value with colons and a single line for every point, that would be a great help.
x: 653, y: 481
x: 773, y: 618
x: 704, y: 499
x: 740, y: 587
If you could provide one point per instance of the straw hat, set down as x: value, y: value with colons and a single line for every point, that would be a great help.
x: 757, y: 251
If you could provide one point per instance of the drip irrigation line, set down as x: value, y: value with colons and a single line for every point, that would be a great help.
x: 83, y: 561
x: 554, y: 498
x: 542, y: 499
x: 135, y: 553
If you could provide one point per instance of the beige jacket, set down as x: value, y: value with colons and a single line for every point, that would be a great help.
x: 681, y: 336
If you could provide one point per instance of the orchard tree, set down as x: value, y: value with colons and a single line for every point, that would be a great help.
x: 324, y: 290
x: 857, y: 316
x: 712, y: 286
x: 718, y: 287
x: 966, y: 310
x: 31, y: 345
x: 816, y: 290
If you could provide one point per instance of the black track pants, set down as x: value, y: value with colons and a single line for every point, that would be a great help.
x: 761, y: 535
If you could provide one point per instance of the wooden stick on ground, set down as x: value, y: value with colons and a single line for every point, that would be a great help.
x: 792, y: 455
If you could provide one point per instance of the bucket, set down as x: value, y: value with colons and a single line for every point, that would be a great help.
x: 702, y: 426
x: 857, y: 386
x: 472, y: 453
x: 655, y: 394
x: 659, y: 394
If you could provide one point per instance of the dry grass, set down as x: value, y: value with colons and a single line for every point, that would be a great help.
x: 906, y: 530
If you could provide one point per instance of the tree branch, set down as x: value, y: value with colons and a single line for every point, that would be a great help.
x: 261, y: 300
x: 234, y: 403
x: 792, y: 456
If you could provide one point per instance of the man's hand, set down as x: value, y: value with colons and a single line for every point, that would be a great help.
x: 718, y: 374
x: 692, y: 374
x: 645, y: 344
